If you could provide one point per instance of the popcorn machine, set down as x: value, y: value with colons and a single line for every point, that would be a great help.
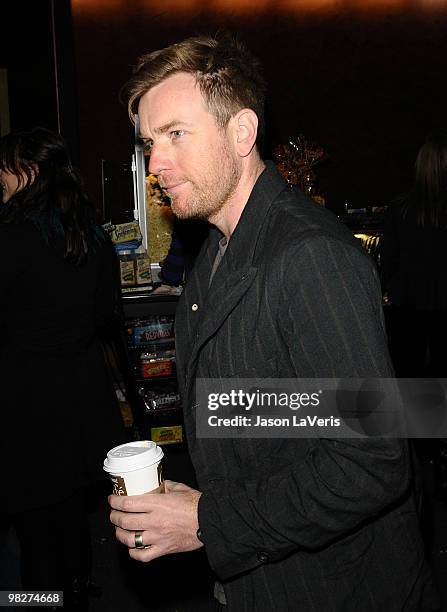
x: 152, y: 208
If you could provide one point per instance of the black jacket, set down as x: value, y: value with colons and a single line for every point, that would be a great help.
x: 58, y: 406
x: 414, y: 261
x: 315, y: 524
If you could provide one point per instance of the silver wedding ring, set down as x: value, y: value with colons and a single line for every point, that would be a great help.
x: 139, y: 539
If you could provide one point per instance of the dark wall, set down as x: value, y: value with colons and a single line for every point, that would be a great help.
x: 26, y: 51
x: 365, y: 85
x: 36, y: 48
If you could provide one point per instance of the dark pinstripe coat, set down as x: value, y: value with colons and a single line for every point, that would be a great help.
x: 312, y: 525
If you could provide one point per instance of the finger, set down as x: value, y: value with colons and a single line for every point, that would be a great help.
x: 135, y: 503
x: 146, y: 554
x: 128, y: 537
x: 130, y: 521
x: 172, y: 486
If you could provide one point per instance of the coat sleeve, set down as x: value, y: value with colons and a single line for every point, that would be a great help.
x: 331, y: 320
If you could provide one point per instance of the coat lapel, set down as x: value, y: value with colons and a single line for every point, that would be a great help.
x: 218, y: 307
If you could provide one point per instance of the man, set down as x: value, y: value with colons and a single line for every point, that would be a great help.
x: 280, y: 289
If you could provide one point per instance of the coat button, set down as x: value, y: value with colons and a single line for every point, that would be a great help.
x: 195, y: 307
x: 263, y: 556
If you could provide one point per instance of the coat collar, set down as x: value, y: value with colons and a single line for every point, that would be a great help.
x: 242, y: 245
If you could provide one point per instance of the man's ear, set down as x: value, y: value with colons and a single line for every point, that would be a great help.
x: 245, y: 126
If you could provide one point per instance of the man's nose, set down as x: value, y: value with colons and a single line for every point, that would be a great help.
x: 159, y: 159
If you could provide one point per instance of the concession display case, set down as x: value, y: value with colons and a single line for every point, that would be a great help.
x: 150, y: 346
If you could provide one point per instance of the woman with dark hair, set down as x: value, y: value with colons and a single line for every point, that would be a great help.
x: 415, y: 271
x: 60, y: 303
x: 415, y: 278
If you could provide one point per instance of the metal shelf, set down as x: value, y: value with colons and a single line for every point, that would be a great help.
x: 139, y: 306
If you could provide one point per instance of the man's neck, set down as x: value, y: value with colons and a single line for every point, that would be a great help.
x: 228, y: 217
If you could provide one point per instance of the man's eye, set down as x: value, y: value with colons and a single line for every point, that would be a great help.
x: 177, y: 133
x: 148, y: 145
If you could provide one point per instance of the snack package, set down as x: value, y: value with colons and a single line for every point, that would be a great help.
x: 168, y: 434
x: 155, y: 332
x: 158, y: 396
x: 125, y: 232
x: 154, y: 365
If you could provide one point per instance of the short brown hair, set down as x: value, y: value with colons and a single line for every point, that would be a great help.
x: 229, y: 76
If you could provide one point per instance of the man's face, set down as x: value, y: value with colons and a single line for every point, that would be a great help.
x: 194, y: 160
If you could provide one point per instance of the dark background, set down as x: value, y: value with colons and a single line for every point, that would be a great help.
x: 365, y: 79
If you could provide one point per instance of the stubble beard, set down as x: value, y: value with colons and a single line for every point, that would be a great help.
x: 209, y: 198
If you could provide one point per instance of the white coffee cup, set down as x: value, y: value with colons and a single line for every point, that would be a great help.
x: 135, y: 468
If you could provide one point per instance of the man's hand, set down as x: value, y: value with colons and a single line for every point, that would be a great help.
x: 167, y: 522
